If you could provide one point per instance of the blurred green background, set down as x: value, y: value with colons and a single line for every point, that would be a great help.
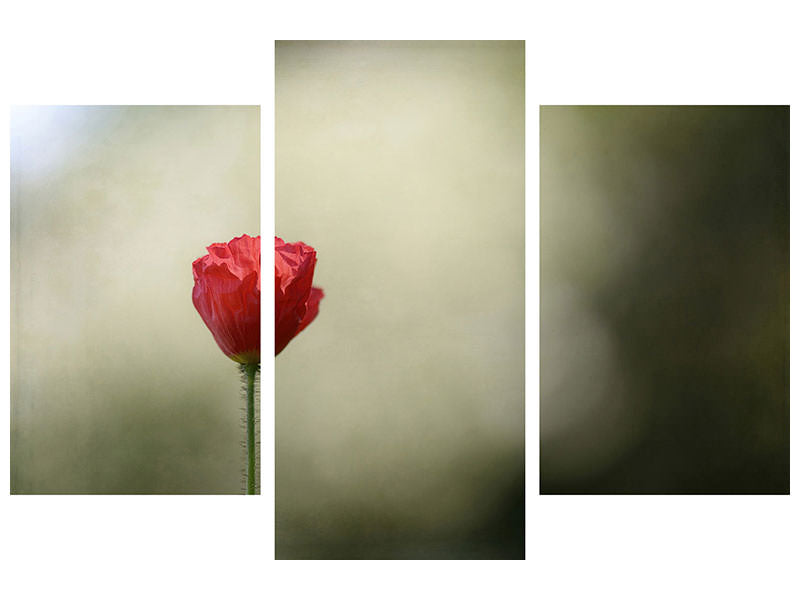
x: 116, y: 384
x: 399, y: 411
x: 664, y: 299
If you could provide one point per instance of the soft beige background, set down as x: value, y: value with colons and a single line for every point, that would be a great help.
x: 117, y: 386
x: 399, y: 412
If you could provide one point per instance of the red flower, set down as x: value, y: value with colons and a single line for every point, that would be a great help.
x: 227, y: 294
x: 296, y: 302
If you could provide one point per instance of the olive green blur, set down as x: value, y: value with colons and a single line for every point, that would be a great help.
x: 117, y: 385
x: 665, y: 300
x: 400, y: 409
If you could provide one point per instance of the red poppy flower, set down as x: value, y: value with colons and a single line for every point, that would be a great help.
x: 227, y: 294
x: 296, y: 301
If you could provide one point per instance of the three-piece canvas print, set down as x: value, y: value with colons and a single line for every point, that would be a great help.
x: 400, y: 294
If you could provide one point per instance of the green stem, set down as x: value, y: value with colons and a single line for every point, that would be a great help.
x: 250, y: 379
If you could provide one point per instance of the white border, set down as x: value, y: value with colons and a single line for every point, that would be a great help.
x: 268, y: 307
x: 577, y: 53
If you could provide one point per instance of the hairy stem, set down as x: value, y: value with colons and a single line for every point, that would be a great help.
x: 249, y: 372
